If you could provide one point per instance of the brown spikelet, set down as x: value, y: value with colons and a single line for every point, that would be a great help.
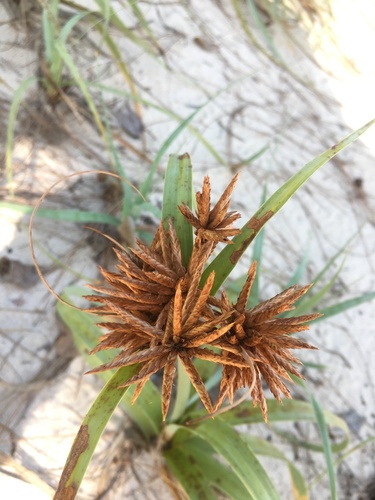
x: 168, y: 377
x: 212, y: 225
x: 197, y: 381
x: 265, y: 342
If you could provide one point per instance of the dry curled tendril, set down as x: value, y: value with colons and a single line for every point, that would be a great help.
x: 155, y: 313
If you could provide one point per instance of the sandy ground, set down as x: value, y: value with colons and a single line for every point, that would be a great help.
x: 44, y: 394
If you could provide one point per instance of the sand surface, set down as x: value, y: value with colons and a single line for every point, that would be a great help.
x: 256, y: 104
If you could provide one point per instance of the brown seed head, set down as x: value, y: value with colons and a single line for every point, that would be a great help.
x: 156, y: 313
x: 263, y: 340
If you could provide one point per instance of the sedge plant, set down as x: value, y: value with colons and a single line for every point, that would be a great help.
x: 161, y: 312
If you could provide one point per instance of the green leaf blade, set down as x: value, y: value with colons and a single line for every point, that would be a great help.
x: 254, y: 297
x: 199, y: 458
x: 227, y: 259
x: 69, y: 62
x: 146, y: 184
x: 262, y: 447
x: 177, y: 190
x: 90, y: 431
x: 63, y: 214
x: 228, y: 443
x: 192, y: 477
x: 291, y: 410
x: 340, y: 307
x: 323, y: 429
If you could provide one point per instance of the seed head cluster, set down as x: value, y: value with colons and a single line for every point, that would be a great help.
x: 156, y: 312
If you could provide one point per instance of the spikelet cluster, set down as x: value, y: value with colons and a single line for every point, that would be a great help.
x: 156, y: 313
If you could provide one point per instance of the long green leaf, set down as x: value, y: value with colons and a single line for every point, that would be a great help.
x: 144, y: 24
x: 330, y: 311
x: 323, y: 429
x: 333, y: 259
x: 165, y: 111
x: 341, y: 458
x: 68, y: 60
x: 116, y: 54
x: 299, y: 271
x: 50, y: 22
x: 254, y: 12
x: 105, y: 8
x: 177, y: 190
x: 302, y: 301
x: 224, y: 263
x: 192, y: 477
x: 254, y: 297
x: 252, y: 157
x: 68, y: 215
x: 308, y: 304
x: 308, y: 445
x: 262, y: 447
x: 288, y: 410
x: 291, y: 410
x: 146, y: 184
x: 111, y: 17
x: 199, y: 465
x: 90, y: 431
x: 69, y: 25
x: 221, y: 476
x: 229, y: 445
x: 48, y: 36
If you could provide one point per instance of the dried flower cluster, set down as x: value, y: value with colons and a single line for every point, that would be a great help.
x: 157, y: 313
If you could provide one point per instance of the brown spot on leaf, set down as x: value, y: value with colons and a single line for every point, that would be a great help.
x: 256, y: 225
x: 244, y: 413
x: 185, y: 156
x: 81, y: 443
